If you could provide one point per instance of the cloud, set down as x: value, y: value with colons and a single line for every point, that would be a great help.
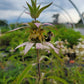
x: 79, y: 4
x: 5, y: 5
x: 9, y: 14
x: 72, y: 16
x: 13, y: 15
x: 12, y: 9
x: 12, y: 4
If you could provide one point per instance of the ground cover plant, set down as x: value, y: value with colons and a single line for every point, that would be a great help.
x: 38, y: 54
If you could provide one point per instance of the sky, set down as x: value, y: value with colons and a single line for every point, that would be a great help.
x: 13, y: 10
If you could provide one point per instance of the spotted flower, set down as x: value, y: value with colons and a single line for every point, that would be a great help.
x: 44, y: 45
x: 59, y: 44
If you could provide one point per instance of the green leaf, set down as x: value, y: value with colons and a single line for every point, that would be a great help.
x: 58, y: 79
x: 35, y: 1
x: 43, y: 8
x: 34, y: 10
x: 22, y: 75
x: 32, y: 25
x: 30, y: 9
x: 38, y: 8
x: 42, y: 77
x: 42, y: 57
x: 33, y: 5
x: 29, y: 6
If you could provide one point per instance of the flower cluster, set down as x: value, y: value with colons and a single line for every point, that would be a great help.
x: 71, y: 53
x: 44, y: 45
x: 37, y: 39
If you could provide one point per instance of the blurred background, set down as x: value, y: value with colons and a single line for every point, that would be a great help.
x: 66, y: 34
x: 11, y: 10
x: 67, y: 12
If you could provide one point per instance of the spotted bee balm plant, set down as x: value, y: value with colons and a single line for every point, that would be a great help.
x: 36, y: 37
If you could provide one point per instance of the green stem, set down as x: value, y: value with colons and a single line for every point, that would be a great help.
x: 52, y: 69
x: 23, y: 58
x: 38, y: 63
x: 35, y: 19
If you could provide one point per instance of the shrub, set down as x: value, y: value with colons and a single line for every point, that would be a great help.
x: 11, y: 39
x: 4, y: 29
x: 69, y: 34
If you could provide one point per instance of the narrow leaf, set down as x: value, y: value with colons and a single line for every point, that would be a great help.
x: 33, y: 3
x: 22, y: 75
x: 42, y: 77
x: 21, y: 45
x: 59, y: 79
x: 42, y: 57
x: 30, y: 8
x: 43, y: 8
x: 16, y: 29
x: 51, y: 45
x: 38, y: 8
x: 28, y: 47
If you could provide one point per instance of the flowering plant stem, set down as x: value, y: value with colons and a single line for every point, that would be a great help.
x: 38, y: 63
x: 35, y: 19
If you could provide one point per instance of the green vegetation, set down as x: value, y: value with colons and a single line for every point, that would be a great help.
x: 60, y: 74
x: 69, y: 34
x: 37, y: 54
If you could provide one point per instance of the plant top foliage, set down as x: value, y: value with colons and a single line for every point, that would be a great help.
x: 35, y: 10
x: 36, y: 33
